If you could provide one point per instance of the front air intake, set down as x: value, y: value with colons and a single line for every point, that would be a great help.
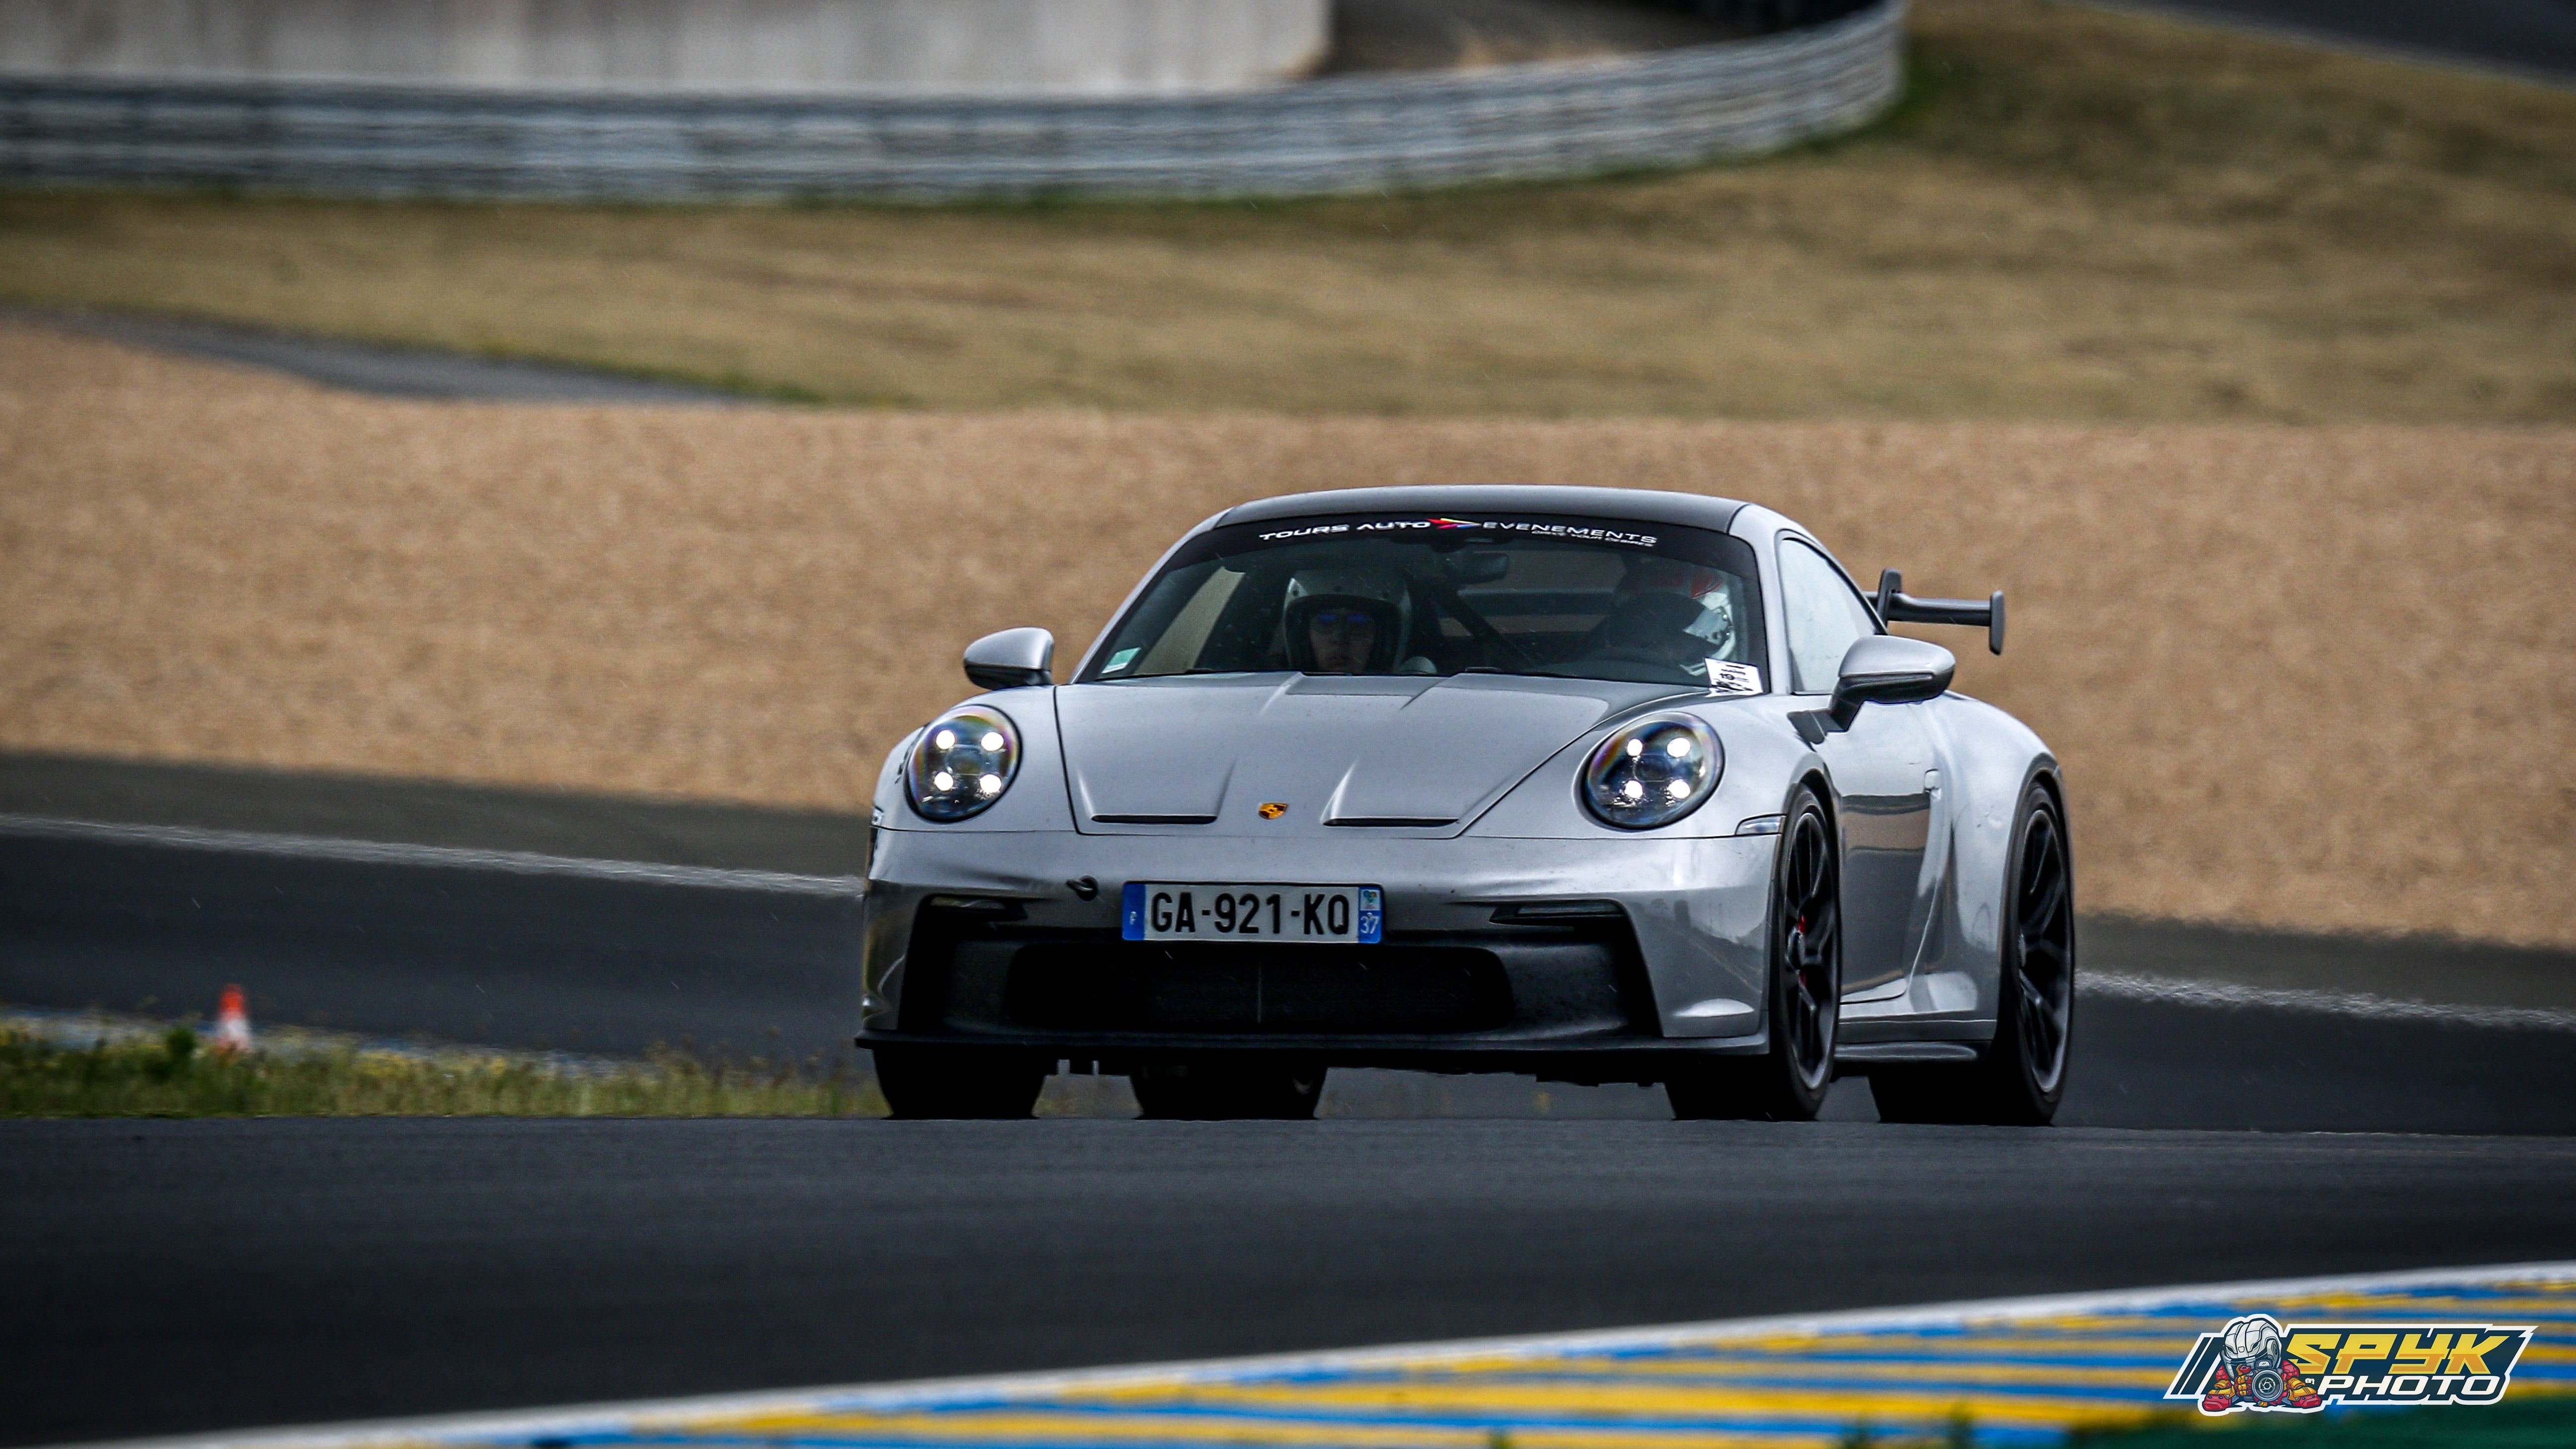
x: 1237, y: 989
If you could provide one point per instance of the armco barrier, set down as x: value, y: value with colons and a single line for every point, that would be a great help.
x: 1337, y: 135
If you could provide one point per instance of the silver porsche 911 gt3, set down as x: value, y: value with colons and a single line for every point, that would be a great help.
x: 1591, y: 784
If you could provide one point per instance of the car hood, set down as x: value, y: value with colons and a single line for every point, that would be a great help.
x: 1426, y: 753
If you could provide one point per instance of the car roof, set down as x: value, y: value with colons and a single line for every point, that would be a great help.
x: 1640, y: 505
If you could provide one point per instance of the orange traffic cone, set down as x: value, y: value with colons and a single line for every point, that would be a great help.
x: 232, y: 1023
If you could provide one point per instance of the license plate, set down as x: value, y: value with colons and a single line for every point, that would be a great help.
x: 1159, y: 911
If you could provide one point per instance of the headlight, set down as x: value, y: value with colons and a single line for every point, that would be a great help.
x: 963, y: 763
x: 1653, y: 771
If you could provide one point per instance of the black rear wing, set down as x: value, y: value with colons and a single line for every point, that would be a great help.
x: 1895, y: 606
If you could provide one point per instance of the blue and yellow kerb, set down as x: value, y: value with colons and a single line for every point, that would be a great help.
x: 2022, y: 1372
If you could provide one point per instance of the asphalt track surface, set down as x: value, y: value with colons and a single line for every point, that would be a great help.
x: 408, y: 372
x: 617, y: 966
x: 489, y: 957
x: 2537, y: 37
x: 179, y: 1276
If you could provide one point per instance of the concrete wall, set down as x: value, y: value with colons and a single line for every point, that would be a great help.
x: 1062, y: 47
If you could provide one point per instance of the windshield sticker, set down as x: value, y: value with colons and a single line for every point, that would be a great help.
x: 1583, y: 532
x: 1120, y: 660
x: 1570, y: 530
x: 1738, y: 678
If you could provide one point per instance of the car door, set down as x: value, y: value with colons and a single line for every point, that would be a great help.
x: 1882, y: 769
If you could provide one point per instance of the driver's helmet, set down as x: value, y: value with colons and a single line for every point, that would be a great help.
x: 1712, y: 590
x: 1656, y: 627
x: 1379, y: 593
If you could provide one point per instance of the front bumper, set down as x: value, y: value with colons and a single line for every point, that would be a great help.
x: 982, y: 940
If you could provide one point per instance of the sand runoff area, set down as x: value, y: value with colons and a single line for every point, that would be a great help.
x: 2315, y: 677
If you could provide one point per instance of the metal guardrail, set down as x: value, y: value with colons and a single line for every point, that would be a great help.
x: 1337, y: 135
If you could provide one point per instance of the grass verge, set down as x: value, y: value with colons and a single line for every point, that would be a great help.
x: 2522, y: 1421
x: 175, y: 1075
x: 2079, y: 215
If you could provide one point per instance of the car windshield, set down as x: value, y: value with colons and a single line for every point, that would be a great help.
x: 1571, y: 597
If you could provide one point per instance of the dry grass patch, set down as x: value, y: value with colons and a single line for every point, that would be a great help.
x: 2308, y: 677
x: 176, y: 1075
x: 2083, y: 216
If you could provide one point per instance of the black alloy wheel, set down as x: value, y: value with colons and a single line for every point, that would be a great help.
x: 1788, y: 1082
x: 1216, y: 1090
x: 923, y: 1085
x: 2022, y: 1079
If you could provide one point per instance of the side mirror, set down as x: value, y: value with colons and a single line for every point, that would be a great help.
x: 1011, y: 659
x: 1886, y: 669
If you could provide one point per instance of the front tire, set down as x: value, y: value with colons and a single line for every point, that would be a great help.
x: 1788, y: 1082
x: 2022, y: 1078
x: 1218, y: 1091
x: 928, y: 1085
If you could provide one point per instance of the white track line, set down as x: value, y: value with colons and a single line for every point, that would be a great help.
x: 2328, y: 1003
x: 368, y: 852
x: 574, y: 1419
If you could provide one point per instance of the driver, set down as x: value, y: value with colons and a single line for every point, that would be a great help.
x: 1654, y: 629
x: 1709, y: 591
x: 1349, y: 621
x: 1342, y: 635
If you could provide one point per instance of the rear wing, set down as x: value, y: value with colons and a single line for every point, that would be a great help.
x: 1895, y: 606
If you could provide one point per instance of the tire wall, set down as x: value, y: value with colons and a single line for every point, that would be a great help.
x: 1340, y: 135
